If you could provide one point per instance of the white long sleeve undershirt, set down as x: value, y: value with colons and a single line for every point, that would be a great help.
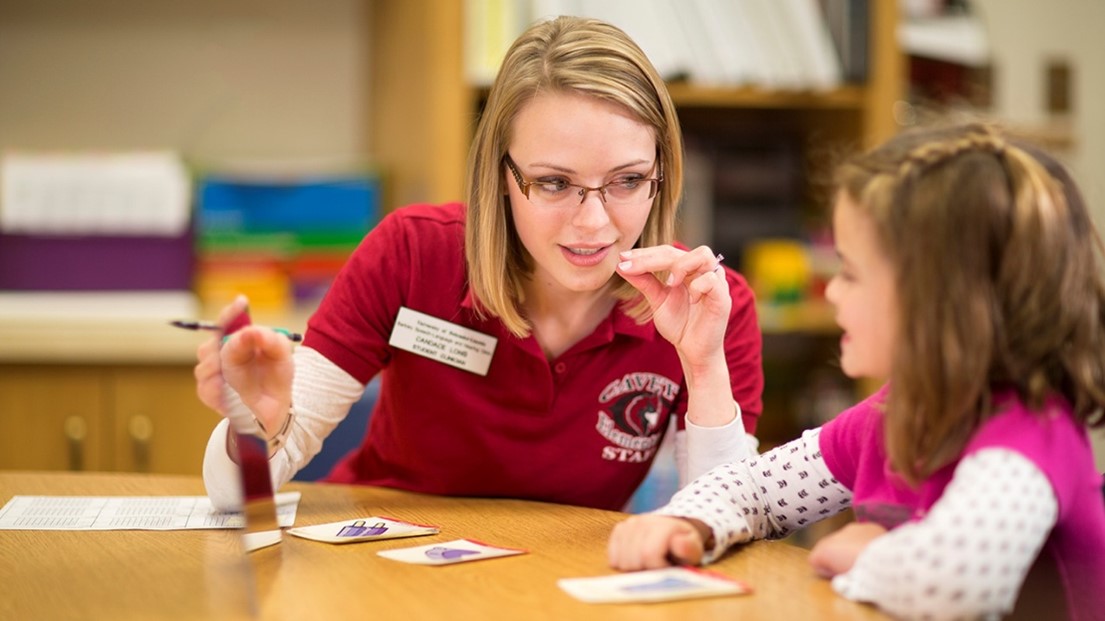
x: 323, y: 393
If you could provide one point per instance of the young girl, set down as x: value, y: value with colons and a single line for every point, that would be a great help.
x: 535, y: 341
x: 969, y: 280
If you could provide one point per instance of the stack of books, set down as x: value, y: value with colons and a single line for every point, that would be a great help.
x: 279, y: 240
x: 770, y: 44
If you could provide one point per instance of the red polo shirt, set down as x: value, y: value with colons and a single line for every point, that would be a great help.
x: 581, y: 429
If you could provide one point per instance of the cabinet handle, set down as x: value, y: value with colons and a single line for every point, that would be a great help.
x: 76, y: 429
x: 141, y: 432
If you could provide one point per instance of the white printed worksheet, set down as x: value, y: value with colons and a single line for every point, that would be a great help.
x: 129, y: 513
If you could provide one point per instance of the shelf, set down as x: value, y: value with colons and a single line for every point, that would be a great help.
x: 82, y: 329
x: 424, y: 111
x: 693, y: 95
x: 801, y: 318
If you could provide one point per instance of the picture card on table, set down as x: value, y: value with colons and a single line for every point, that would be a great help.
x: 370, y: 528
x: 457, y: 551
x: 656, y: 585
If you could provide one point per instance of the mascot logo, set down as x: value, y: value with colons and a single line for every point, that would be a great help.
x: 637, y: 409
x: 638, y: 413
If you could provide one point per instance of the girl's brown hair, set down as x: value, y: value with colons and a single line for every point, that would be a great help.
x: 566, y: 54
x: 998, y: 284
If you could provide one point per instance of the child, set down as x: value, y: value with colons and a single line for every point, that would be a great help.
x: 969, y: 281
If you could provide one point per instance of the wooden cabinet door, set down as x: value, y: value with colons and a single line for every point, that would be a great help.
x: 159, y: 423
x: 52, y: 418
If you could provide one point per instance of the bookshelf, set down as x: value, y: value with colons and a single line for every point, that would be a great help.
x: 424, y: 111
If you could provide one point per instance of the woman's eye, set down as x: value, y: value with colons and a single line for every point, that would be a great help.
x: 552, y: 186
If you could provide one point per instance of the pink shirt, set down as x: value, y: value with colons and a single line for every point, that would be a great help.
x: 1073, y: 555
x: 581, y: 429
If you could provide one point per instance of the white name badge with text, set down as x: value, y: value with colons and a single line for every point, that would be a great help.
x: 444, y: 341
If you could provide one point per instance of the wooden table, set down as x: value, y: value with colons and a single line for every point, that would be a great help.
x: 202, y: 574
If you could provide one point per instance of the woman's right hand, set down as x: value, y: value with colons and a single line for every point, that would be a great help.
x: 255, y: 361
x: 655, y: 541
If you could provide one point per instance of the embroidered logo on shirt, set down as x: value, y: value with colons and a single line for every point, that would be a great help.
x: 636, y: 411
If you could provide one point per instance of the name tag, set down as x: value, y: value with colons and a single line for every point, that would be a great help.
x: 444, y: 341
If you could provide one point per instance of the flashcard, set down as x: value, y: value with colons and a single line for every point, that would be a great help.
x: 362, y: 529
x: 656, y: 585
x: 458, y: 551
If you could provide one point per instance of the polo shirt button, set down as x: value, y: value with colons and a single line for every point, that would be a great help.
x: 561, y: 367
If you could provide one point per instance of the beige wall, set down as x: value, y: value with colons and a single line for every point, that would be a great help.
x: 213, y: 78
x: 1024, y: 34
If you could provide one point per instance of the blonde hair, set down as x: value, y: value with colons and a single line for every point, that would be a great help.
x: 566, y: 54
x: 998, y: 284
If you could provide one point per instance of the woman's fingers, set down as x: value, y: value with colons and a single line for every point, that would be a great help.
x: 232, y: 310
x: 679, y: 264
x: 255, y: 343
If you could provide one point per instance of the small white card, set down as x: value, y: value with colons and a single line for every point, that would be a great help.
x: 362, y: 529
x: 657, y: 585
x: 458, y: 551
x: 444, y: 341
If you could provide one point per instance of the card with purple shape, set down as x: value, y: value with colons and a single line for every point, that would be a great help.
x: 370, y: 528
x: 657, y: 585
x: 449, y: 552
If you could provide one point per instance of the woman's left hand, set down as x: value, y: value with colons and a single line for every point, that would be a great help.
x: 691, y: 308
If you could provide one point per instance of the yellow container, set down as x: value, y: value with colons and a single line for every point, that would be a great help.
x: 778, y: 270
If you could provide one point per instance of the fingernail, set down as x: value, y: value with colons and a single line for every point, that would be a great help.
x: 624, y: 265
x: 625, y: 254
x: 671, y: 280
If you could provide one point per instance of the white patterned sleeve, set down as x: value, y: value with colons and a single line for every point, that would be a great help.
x: 968, y: 556
x: 763, y: 497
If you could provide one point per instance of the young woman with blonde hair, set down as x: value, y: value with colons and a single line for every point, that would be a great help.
x: 535, y: 341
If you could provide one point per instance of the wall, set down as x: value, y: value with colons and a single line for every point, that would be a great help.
x: 1024, y: 35
x: 288, y: 78
x: 213, y: 79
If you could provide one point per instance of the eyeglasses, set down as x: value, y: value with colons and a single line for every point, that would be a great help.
x: 627, y: 190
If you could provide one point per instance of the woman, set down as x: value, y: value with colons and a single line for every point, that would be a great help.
x: 535, y: 342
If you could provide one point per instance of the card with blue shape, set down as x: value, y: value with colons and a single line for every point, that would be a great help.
x: 655, y: 585
x: 449, y: 552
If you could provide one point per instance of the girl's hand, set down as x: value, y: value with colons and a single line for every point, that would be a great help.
x: 836, y: 553
x: 691, y: 307
x: 654, y: 541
